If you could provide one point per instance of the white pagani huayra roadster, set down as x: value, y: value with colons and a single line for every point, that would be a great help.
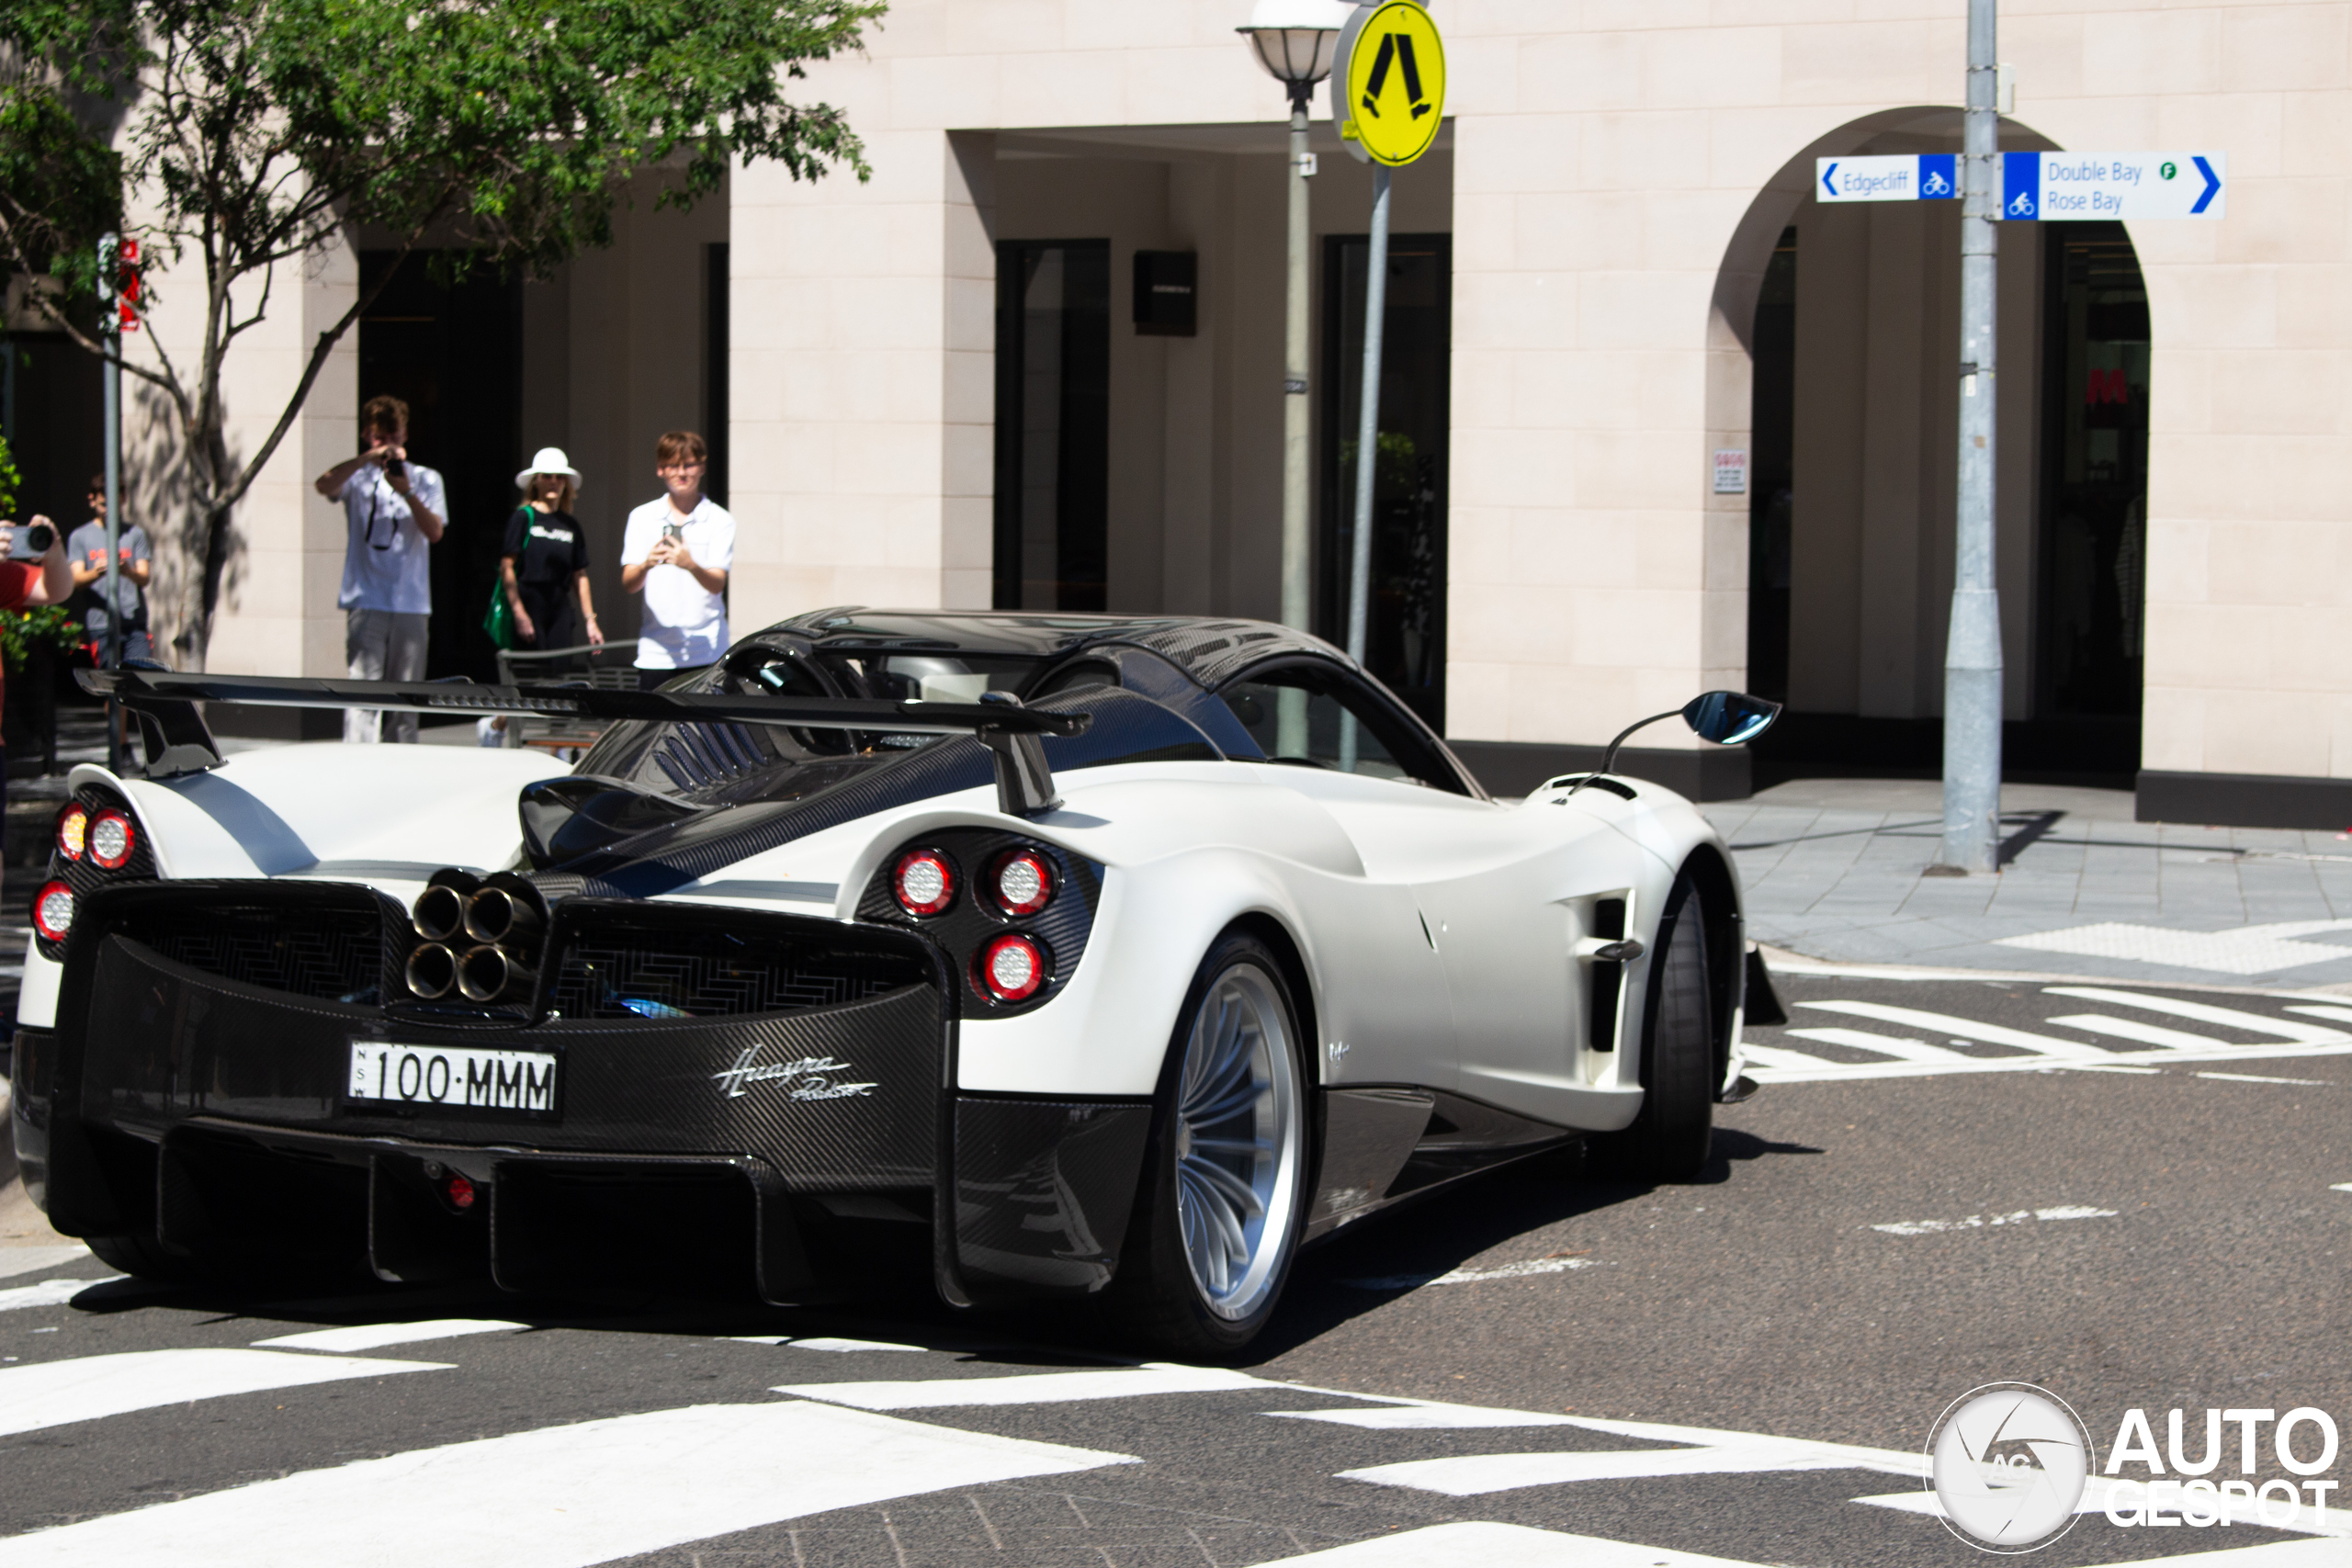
x: 1049, y: 956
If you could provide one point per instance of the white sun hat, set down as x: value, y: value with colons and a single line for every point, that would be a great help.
x: 549, y: 460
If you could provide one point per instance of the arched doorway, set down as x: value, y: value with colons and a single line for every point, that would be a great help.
x: 1850, y: 317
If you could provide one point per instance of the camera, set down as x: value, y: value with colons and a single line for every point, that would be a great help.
x: 394, y: 467
x: 31, y: 542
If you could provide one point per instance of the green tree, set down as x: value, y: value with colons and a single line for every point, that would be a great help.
x: 248, y: 135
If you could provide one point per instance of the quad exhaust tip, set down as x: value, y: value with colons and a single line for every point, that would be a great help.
x: 432, y: 970
x: 439, y: 914
x: 477, y: 938
x: 489, y: 974
x: 496, y: 914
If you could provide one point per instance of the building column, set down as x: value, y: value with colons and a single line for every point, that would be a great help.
x: 861, y: 381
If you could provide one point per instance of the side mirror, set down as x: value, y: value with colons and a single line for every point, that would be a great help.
x: 1729, y: 719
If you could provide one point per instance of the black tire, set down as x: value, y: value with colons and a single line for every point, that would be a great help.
x: 1160, y: 1298
x: 1671, y: 1139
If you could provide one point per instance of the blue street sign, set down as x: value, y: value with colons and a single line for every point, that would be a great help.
x: 2059, y: 186
x: 2044, y: 187
x: 1908, y: 177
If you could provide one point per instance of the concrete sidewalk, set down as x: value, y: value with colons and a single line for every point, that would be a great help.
x: 1833, y: 869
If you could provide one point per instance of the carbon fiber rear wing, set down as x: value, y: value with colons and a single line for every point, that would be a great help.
x: 177, y: 740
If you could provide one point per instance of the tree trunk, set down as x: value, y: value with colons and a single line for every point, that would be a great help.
x: 217, y: 545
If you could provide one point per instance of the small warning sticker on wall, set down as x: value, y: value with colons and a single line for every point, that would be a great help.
x: 1731, y: 471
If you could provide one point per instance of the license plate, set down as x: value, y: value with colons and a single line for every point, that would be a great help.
x: 456, y: 1077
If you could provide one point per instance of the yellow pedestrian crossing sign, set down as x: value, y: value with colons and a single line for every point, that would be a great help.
x: 1388, y: 95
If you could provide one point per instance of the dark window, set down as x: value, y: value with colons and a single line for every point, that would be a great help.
x: 453, y: 352
x: 1772, y: 347
x: 714, y: 361
x: 2095, y: 482
x: 1312, y: 715
x: 50, y: 397
x: 1405, y: 620
x: 1052, y: 424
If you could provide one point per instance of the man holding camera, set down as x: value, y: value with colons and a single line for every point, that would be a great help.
x: 395, y: 510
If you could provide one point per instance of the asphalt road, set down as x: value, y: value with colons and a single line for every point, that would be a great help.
x: 1880, y: 1232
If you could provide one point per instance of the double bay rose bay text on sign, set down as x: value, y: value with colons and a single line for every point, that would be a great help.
x: 2045, y: 186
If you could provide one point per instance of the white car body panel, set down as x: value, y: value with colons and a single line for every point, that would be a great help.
x: 1438, y: 932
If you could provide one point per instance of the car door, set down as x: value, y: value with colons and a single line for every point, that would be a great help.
x: 1387, y: 981
x: 1504, y: 892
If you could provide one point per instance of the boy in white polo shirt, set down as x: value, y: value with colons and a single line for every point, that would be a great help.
x: 676, y: 551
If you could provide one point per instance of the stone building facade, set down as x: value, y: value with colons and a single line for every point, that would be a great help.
x: 934, y: 390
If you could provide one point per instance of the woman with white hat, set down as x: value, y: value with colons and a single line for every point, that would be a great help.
x: 545, y: 565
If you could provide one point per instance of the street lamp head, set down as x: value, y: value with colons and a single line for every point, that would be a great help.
x: 1294, y: 39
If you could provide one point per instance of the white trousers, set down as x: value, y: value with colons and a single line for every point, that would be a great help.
x: 383, y: 644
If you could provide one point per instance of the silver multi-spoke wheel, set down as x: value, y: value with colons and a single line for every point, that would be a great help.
x: 1239, y: 1132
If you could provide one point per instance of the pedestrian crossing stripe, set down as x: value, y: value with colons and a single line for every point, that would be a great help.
x: 2167, y: 1043
x: 88, y: 1388
x: 591, y: 1492
x: 559, y: 1497
x: 1481, y: 1544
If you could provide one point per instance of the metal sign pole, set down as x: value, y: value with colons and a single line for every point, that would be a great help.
x: 110, y: 322
x: 1388, y: 100
x: 1375, y: 313
x: 1973, y: 654
x: 1291, y: 729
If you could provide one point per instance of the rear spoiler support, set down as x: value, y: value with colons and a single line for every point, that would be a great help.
x: 178, y: 742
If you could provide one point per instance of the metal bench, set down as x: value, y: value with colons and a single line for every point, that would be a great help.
x: 611, y: 667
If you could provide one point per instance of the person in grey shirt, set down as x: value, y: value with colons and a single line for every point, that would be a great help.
x: 85, y: 552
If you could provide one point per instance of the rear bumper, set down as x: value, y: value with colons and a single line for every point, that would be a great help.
x: 802, y: 1155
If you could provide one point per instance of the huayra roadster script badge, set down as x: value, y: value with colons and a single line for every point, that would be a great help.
x: 807, y: 1077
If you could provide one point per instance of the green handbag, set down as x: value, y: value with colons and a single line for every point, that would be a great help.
x: 498, y: 620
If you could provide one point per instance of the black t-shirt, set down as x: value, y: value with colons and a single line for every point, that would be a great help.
x: 547, y: 547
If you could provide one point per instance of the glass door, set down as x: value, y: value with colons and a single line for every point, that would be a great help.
x: 1052, y: 424
x: 1404, y: 622
x: 453, y: 352
x: 2095, y: 483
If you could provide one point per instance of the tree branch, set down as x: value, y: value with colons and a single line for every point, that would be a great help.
x: 318, y: 352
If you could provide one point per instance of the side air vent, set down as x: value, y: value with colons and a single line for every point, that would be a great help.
x: 699, y: 755
x: 1608, y: 980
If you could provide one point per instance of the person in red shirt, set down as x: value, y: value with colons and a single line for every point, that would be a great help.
x: 46, y: 581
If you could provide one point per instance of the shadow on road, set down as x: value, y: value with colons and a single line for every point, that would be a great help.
x: 1445, y: 1231
x: 1402, y: 1248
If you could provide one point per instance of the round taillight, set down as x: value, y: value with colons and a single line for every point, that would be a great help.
x: 925, y: 882
x: 53, y: 911
x: 1013, y: 967
x: 73, y: 831
x: 1024, y: 883
x: 111, y: 839
x: 459, y: 1190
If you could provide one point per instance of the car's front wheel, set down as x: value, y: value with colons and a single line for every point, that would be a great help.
x: 1226, y: 1176
x: 1672, y: 1137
